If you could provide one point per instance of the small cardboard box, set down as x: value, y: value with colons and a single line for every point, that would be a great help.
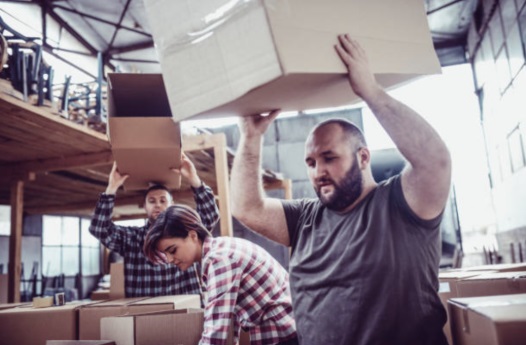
x: 26, y: 325
x: 90, y: 316
x: 117, y: 289
x: 227, y: 58
x: 183, y: 327
x: 145, y: 141
x: 488, y: 284
x: 491, y: 320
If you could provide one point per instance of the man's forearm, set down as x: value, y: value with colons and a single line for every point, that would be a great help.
x: 246, y: 184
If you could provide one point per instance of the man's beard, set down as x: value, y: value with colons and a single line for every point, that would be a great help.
x: 346, y: 192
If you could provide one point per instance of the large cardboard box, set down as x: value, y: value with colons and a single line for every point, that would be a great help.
x: 168, y: 327
x: 227, y: 58
x: 493, y: 320
x: 26, y: 325
x: 117, y: 286
x: 488, y: 284
x: 145, y: 141
x: 90, y: 316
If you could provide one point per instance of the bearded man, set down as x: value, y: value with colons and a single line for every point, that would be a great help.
x: 365, y: 255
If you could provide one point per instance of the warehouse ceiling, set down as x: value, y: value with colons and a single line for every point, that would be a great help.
x: 119, y: 30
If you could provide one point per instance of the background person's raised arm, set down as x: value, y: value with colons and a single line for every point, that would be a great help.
x: 427, y: 179
x: 249, y: 204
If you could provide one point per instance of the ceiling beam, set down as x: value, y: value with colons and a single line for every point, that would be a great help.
x: 120, y: 201
x: 439, y: 8
x: 130, y: 48
x: 450, y: 43
x: 118, y: 25
x: 102, y: 20
x: 69, y: 29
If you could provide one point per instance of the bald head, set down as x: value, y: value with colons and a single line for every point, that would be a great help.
x: 351, y: 132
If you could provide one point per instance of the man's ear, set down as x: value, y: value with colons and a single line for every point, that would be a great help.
x: 364, y: 157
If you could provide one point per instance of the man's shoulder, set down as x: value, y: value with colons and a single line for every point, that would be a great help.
x: 302, y: 205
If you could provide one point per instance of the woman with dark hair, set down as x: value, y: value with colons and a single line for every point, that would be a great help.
x: 245, y: 285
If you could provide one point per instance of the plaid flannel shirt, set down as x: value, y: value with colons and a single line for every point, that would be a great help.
x: 247, y: 287
x: 143, y: 278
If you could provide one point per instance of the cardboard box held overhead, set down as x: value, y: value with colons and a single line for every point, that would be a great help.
x: 145, y: 141
x: 493, y: 320
x: 227, y: 58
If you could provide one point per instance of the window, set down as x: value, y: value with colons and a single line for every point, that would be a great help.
x: 516, y: 149
x: 5, y: 220
x: 68, y: 248
x: 90, y: 250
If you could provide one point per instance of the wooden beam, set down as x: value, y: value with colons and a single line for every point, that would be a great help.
x: 203, y: 141
x: 137, y: 200
x: 223, y: 190
x: 55, y: 164
x: 15, y: 242
x: 21, y: 176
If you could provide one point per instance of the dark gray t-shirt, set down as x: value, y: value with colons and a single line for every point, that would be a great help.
x: 368, y: 276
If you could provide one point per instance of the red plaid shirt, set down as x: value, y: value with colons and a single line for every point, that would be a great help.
x: 142, y: 278
x: 246, y: 285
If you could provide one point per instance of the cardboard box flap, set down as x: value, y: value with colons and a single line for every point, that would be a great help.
x: 485, y: 301
x: 500, y: 308
x: 193, y: 301
x: 497, y: 267
x: 456, y: 275
x: 400, y: 32
x: 137, y: 95
x: 163, y: 312
x: 497, y: 275
x: 116, y: 302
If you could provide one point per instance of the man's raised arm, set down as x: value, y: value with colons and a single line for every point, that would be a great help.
x: 426, y: 181
x: 249, y: 205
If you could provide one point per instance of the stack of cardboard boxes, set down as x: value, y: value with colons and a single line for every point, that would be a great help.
x: 25, y: 324
x: 485, y: 304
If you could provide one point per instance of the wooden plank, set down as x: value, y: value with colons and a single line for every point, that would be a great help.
x: 223, y: 190
x: 62, y: 163
x: 15, y: 242
x: 39, y: 115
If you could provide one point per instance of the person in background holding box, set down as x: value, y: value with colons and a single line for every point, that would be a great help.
x: 244, y: 283
x: 142, y: 278
x: 365, y: 256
